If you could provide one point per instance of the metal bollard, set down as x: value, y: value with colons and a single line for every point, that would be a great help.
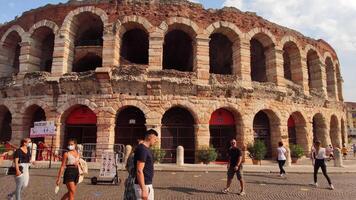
x: 337, y: 158
x: 180, y: 156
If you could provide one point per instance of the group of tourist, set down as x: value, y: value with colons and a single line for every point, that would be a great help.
x: 140, y: 165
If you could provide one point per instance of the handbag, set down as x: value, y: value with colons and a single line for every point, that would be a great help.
x: 12, y: 170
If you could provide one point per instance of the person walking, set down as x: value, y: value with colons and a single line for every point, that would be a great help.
x: 354, y: 149
x: 70, y: 162
x: 281, y: 158
x: 22, y: 159
x: 319, y: 156
x: 143, y: 162
x: 234, y: 166
x: 129, y: 193
x: 344, y: 151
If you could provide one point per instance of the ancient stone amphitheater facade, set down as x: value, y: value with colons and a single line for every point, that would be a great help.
x: 104, y: 71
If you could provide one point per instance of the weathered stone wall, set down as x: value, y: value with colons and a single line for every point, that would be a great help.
x: 154, y: 90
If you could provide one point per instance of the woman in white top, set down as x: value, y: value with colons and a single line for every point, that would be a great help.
x: 282, y: 157
x: 70, y: 162
x: 319, y: 156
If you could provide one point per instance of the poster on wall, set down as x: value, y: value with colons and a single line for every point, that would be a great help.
x: 108, y: 165
x: 43, y: 129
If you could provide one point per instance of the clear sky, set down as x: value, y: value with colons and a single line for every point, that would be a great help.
x: 333, y: 22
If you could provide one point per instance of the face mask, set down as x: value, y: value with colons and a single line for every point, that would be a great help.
x: 29, y: 144
x: 70, y: 147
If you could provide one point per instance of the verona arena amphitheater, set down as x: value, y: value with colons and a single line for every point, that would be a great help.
x: 105, y: 71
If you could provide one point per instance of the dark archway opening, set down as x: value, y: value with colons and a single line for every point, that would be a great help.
x: 261, y: 128
x: 87, y: 63
x: 130, y: 126
x: 222, y: 130
x: 178, y: 130
x: 292, y: 132
x: 178, y: 51
x: 258, y: 61
x: 5, y: 126
x: 220, y: 52
x: 134, y: 47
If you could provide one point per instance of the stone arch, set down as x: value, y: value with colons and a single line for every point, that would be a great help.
x: 64, y: 109
x: 262, y: 51
x: 130, y: 125
x: 292, y: 60
x: 135, y: 103
x: 314, y: 68
x: 330, y: 78
x: 179, y: 47
x: 319, y: 129
x: 267, y: 131
x: 19, y: 30
x: 134, y: 35
x: 10, y: 50
x: 182, y: 23
x: 224, y: 47
x: 90, y: 43
x: 5, y: 124
x: 32, y: 113
x: 47, y: 23
x: 178, y: 129
x: 300, y: 127
x: 92, y: 9
x: 185, y: 105
x: 335, y: 132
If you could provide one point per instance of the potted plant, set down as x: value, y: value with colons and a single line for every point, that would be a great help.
x: 158, y: 154
x: 207, y: 154
x: 296, y: 152
x: 257, y: 151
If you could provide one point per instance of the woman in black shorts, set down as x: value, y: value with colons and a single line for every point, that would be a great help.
x: 70, y: 162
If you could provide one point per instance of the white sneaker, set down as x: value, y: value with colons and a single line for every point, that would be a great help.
x: 331, y: 187
x: 242, y: 193
x: 281, y: 175
x: 10, y: 197
x: 314, y: 184
x: 225, y: 190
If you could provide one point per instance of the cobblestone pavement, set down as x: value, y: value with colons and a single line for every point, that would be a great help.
x: 196, y: 185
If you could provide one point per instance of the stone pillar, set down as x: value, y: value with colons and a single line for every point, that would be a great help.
x: 155, y: 52
x: 274, y: 66
x: 304, y: 82
x: 244, y: 60
x: 29, y: 57
x: 111, y: 47
x: 333, y: 85
x: 62, y: 55
x: 289, y: 157
x: 180, y: 156
x: 105, y: 133
x: 247, y: 139
x: 338, y: 162
x: 202, y: 137
x: 17, y: 129
x: 322, y: 84
x: 5, y: 68
x: 128, y: 150
x: 202, y: 63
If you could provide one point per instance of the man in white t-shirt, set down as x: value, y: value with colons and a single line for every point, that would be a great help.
x: 282, y: 157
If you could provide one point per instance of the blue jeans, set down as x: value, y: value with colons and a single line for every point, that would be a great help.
x: 21, y: 181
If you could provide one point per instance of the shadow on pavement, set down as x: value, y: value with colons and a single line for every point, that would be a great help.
x: 187, y: 190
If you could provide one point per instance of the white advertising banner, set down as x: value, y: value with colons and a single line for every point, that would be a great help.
x: 42, y: 129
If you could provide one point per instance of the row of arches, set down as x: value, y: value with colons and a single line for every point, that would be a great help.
x: 179, y: 127
x: 136, y: 39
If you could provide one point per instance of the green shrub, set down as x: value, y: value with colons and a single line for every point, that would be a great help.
x: 2, y: 148
x: 158, y: 154
x: 296, y: 151
x: 258, y: 150
x: 207, y: 154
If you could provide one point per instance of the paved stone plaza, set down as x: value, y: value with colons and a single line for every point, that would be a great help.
x: 197, y: 185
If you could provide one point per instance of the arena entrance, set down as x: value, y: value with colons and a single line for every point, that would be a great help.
x: 292, y: 132
x: 81, y: 125
x: 222, y: 129
x: 261, y: 128
x: 37, y: 114
x: 130, y: 126
x: 5, y: 124
x: 178, y: 130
